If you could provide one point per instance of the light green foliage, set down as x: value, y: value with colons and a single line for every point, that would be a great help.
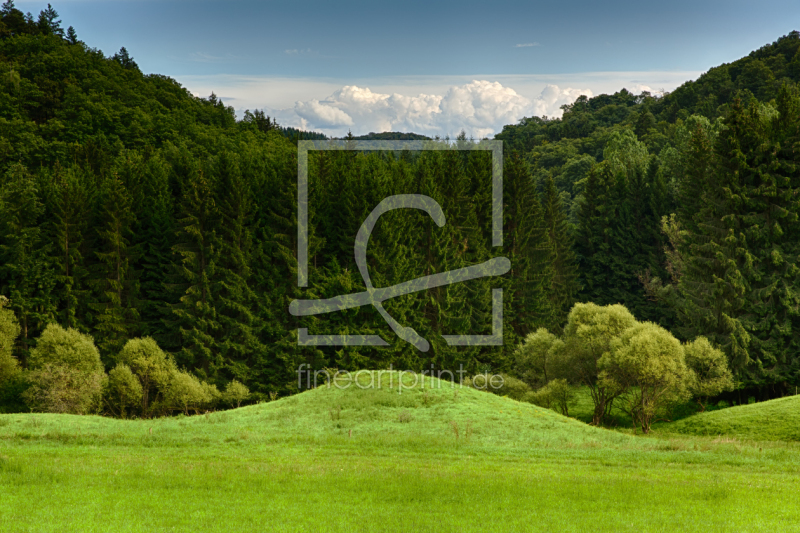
x: 710, y: 372
x: 512, y: 387
x: 562, y: 395
x: 123, y: 390
x: 625, y: 154
x: 151, y: 365
x: 236, y: 393
x: 500, y: 384
x: 9, y: 331
x: 211, y: 396
x: 647, y: 365
x: 588, y: 336
x: 66, y: 375
x: 58, y: 388
x: 66, y: 347
x: 534, y: 355
x: 186, y: 392
x: 557, y: 395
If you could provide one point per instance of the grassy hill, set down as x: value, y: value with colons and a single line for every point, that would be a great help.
x: 378, y: 459
x: 773, y: 420
x: 375, y: 411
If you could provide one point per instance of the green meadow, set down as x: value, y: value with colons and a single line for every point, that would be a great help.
x: 429, y: 457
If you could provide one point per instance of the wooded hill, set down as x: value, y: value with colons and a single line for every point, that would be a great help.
x: 130, y: 208
x: 718, y: 158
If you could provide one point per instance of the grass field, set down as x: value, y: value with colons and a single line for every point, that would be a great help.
x: 774, y: 420
x: 426, y: 459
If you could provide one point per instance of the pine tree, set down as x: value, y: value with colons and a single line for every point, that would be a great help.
x: 239, y: 341
x: 195, y: 257
x: 770, y: 173
x: 274, y: 270
x: 593, y: 244
x: 526, y: 243
x: 48, y: 23
x: 126, y: 61
x: 153, y: 236
x: 564, y: 289
x: 117, y: 317
x: 72, y: 35
x: 7, y: 8
x: 68, y: 205
x: 717, y: 261
x: 26, y: 274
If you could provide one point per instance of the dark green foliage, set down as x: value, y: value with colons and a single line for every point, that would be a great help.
x: 116, y: 315
x: 742, y: 243
x: 130, y: 208
x: 527, y: 241
x: 564, y: 286
x: 124, y: 59
x: 26, y: 276
x: 67, y: 199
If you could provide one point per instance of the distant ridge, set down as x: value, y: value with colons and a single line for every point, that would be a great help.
x: 392, y: 136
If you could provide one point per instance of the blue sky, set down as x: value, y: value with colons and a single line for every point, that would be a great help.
x: 276, y: 55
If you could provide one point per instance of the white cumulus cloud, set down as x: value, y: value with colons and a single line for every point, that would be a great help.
x: 481, y: 108
x: 322, y: 115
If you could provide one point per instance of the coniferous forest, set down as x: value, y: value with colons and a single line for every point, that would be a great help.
x: 130, y: 208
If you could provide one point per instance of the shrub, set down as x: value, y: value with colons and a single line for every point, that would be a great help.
x: 500, y: 384
x: 556, y: 395
x: 62, y: 389
x: 9, y: 331
x: 151, y: 365
x: 236, y: 393
x: 186, y: 392
x: 535, y: 355
x: 512, y: 387
x: 123, y: 390
x: 710, y: 372
x: 211, y: 396
x: 65, y: 347
x: 66, y: 374
x: 11, y: 394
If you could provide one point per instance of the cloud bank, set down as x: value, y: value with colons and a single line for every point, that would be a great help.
x: 481, y: 108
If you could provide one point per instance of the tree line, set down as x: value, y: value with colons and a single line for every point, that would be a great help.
x: 132, y: 210
x: 683, y: 207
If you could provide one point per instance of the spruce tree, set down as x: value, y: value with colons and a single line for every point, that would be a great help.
x: 770, y: 172
x: 238, y: 342
x: 593, y: 246
x: 68, y: 205
x: 527, y: 244
x: 26, y: 273
x: 117, y: 316
x: 195, y: 256
x: 717, y: 261
x: 153, y: 236
x: 564, y: 288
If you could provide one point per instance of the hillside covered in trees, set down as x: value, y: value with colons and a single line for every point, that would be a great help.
x: 130, y: 208
x: 684, y: 205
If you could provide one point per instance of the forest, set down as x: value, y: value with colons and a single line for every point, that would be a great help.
x: 131, y: 210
